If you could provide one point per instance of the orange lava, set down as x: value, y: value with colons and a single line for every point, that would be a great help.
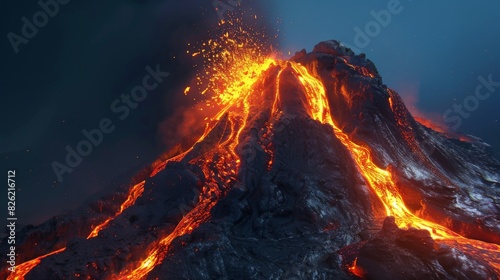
x: 189, y: 222
x: 134, y: 193
x: 381, y: 182
x: 24, y: 268
x: 429, y: 124
x: 236, y: 65
x: 356, y: 270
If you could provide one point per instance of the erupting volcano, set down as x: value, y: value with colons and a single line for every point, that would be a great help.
x: 307, y: 168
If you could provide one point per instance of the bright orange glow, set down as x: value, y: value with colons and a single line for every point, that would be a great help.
x: 430, y: 124
x: 438, y: 128
x: 363, y: 70
x: 318, y: 103
x: 189, y: 222
x: 391, y: 103
x: 235, y: 67
x: 356, y: 270
x: 26, y: 267
x: 134, y: 193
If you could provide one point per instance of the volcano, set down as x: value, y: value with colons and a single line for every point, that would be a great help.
x: 309, y: 168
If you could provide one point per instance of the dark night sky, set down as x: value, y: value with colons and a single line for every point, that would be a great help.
x: 89, y: 53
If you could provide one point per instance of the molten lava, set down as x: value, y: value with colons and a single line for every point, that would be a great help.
x: 188, y: 223
x: 26, y: 267
x: 236, y: 65
x: 381, y: 182
x: 440, y: 129
x: 356, y: 270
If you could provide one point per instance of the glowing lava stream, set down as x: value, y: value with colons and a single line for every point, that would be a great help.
x: 188, y: 223
x: 381, y: 181
x: 235, y: 97
x: 26, y: 267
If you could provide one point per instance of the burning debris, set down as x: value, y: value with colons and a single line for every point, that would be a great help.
x: 299, y: 167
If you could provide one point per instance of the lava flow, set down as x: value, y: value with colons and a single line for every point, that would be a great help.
x: 26, y: 267
x: 381, y: 181
x: 189, y: 222
x: 239, y: 68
